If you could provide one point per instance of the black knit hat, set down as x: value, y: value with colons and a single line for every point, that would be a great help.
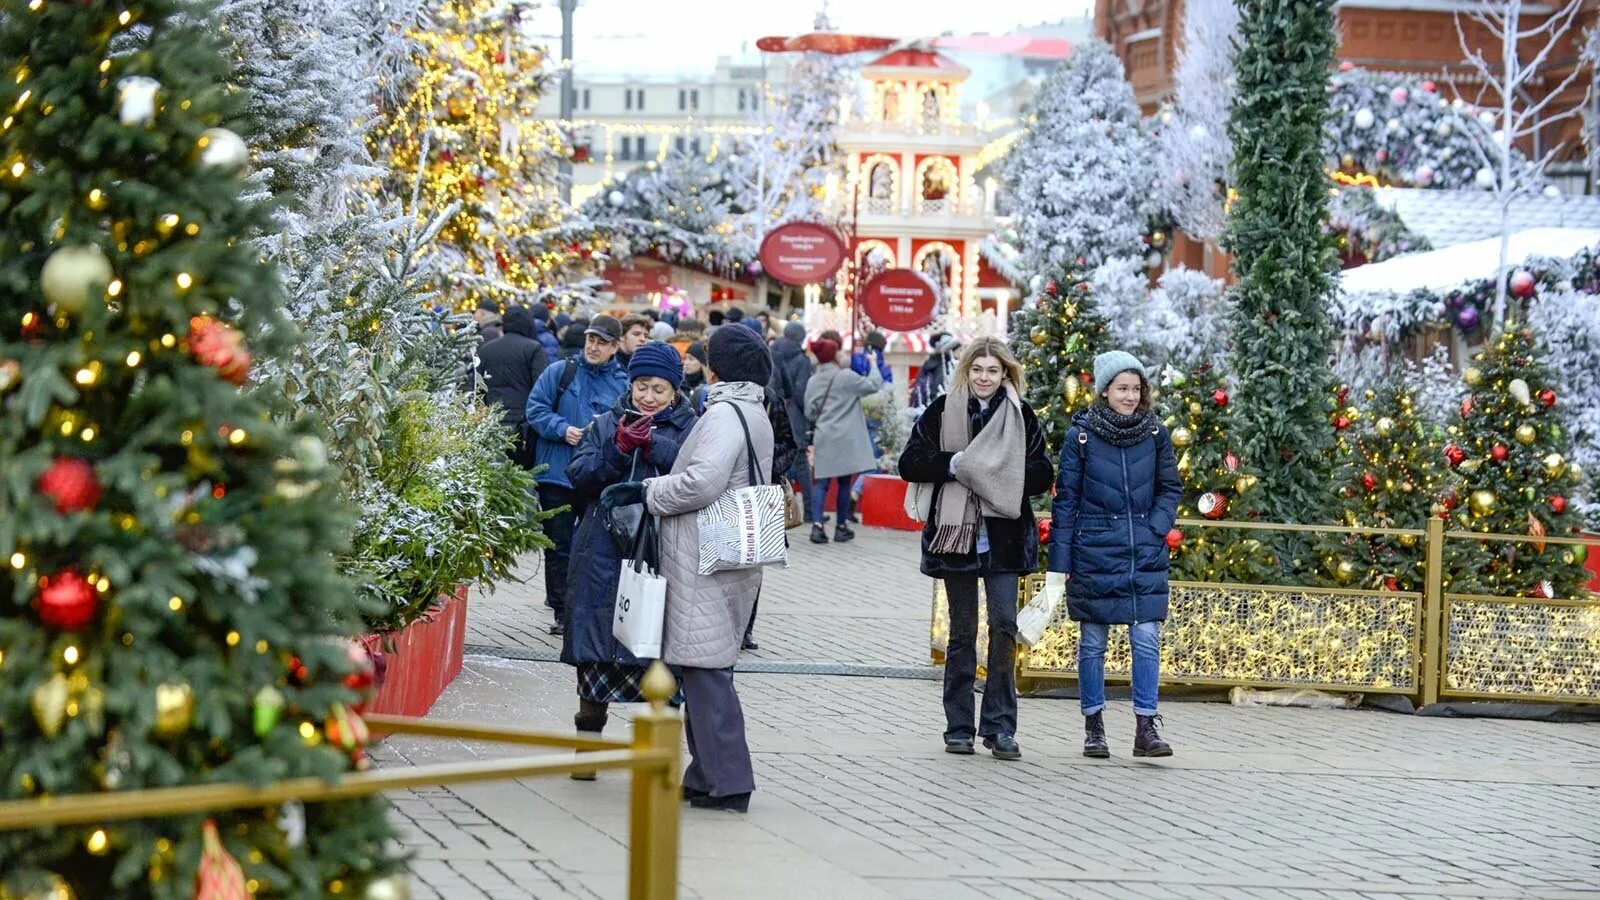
x: 739, y: 354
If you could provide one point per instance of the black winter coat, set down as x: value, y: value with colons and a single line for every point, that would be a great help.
x: 507, y: 368
x: 1013, y: 543
x: 596, y: 566
x: 791, y: 371
x: 1109, y: 523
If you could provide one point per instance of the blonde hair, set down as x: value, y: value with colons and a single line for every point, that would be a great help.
x: 990, y: 346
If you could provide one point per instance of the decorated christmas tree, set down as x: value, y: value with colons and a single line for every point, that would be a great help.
x: 1388, y: 470
x: 1056, y: 340
x: 1195, y: 406
x: 467, y: 122
x: 1512, y: 475
x: 173, y: 614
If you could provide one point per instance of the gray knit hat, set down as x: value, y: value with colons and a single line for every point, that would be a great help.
x: 1107, y: 366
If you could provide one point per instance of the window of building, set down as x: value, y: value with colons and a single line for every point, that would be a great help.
x: 683, y: 99
x: 742, y: 100
x: 638, y: 99
x: 625, y: 150
x: 586, y: 98
x: 639, y: 148
x: 677, y: 144
x: 627, y: 98
x: 694, y: 146
x: 694, y: 99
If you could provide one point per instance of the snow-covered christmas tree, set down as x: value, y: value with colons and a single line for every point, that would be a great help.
x: 684, y: 209
x: 1569, y: 324
x: 1194, y: 149
x: 1081, y: 179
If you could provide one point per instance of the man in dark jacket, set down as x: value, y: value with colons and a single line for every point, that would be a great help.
x: 486, y: 317
x: 791, y: 370
x: 507, y: 368
x: 542, y: 332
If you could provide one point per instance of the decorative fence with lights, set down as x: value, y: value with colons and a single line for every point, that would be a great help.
x: 1427, y: 645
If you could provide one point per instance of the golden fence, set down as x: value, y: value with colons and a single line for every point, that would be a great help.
x: 1425, y: 645
x: 652, y: 755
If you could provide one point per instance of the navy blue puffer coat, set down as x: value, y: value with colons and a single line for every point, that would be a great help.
x: 1113, y: 509
x: 596, y: 566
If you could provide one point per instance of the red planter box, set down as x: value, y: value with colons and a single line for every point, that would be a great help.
x: 1593, y: 563
x: 422, y: 659
x: 883, y: 503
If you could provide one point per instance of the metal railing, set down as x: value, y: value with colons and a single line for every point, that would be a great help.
x: 1426, y: 644
x: 652, y: 755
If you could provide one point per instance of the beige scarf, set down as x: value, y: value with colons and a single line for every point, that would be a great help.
x: 991, y: 470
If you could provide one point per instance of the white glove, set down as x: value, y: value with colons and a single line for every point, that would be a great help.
x: 1055, y: 586
x: 955, y: 462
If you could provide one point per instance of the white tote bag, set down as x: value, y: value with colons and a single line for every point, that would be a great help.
x: 919, y: 500
x: 1034, y: 618
x: 641, y: 607
x: 746, y: 527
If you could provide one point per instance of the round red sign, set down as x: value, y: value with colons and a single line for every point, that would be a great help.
x: 900, y: 300
x: 802, y: 253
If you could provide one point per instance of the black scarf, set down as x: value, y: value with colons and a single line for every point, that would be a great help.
x: 1117, y: 429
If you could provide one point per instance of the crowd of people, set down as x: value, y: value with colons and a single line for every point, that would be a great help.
x: 637, y: 424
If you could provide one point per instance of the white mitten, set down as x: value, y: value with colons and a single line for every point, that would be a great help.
x: 1055, y: 586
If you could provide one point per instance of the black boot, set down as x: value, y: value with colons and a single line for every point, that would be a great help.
x: 819, y: 535
x: 590, y: 721
x: 843, y: 534
x: 1094, y: 737
x: 1146, y: 741
x: 1003, y: 746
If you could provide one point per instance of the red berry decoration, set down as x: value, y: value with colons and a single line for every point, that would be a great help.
x: 1558, y: 504
x: 1547, y: 398
x: 70, y: 484
x: 1174, y: 539
x: 1455, y: 455
x: 66, y: 600
x: 298, y: 673
x: 214, y: 344
x: 1500, y: 452
x: 1369, y: 481
x: 1219, y: 397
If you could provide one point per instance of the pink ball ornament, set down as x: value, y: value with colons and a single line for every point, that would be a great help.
x: 1399, y: 96
x: 1424, y: 175
x: 1346, y: 66
x: 1522, y: 283
x: 1429, y: 87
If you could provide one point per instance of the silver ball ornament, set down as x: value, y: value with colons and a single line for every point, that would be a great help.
x: 222, y: 149
x: 72, y: 274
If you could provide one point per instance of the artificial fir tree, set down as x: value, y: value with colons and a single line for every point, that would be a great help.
x: 1195, y: 403
x: 1513, y: 474
x: 684, y: 209
x: 174, y: 615
x: 1388, y: 468
x: 1282, y: 257
x: 1081, y: 178
x: 1056, y: 340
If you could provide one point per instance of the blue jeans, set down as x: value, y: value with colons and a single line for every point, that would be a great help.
x: 1146, y: 640
x: 819, y: 500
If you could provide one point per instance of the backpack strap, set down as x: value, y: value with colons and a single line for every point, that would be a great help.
x: 568, y: 375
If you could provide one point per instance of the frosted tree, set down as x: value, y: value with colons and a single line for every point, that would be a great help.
x: 1140, y: 321
x: 1081, y: 176
x: 1569, y: 324
x: 1521, y: 53
x: 684, y: 209
x: 1194, y: 148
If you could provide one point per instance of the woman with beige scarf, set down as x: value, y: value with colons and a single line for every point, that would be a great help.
x: 987, y: 457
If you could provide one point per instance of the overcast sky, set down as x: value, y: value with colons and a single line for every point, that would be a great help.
x: 661, y: 37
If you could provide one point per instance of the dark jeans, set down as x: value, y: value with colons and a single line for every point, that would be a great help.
x: 800, y: 473
x: 819, y: 500
x: 559, y: 529
x: 719, y: 758
x: 961, y: 657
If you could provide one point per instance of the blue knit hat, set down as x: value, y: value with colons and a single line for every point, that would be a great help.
x: 656, y: 360
x: 1107, y: 366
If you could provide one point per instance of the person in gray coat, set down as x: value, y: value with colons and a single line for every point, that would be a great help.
x: 707, y: 614
x: 842, y: 446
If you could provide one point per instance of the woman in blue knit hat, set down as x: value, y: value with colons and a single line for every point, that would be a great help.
x: 639, y: 438
x: 1116, y: 498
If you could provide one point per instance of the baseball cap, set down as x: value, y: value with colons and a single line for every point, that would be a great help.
x: 605, y: 327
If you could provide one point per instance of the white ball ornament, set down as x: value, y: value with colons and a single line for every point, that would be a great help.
x: 1444, y: 128
x: 1365, y: 119
x: 1199, y: 132
x: 72, y: 274
x: 1551, y: 190
x: 1484, y: 178
x: 1036, y: 283
x: 136, y: 100
x: 1392, y: 124
x: 222, y: 149
x: 1486, y: 118
x: 616, y: 198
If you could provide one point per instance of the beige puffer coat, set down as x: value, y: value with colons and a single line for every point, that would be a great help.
x: 706, y: 614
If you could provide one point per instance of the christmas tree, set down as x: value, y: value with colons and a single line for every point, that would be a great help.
x: 1195, y: 406
x: 173, y: 614
x: 1056, y: 340
x: 1510, y: 455
x: 1283, y: 259
x: 1388, y: 470
x: 467, y: 123
x: 1081, y: 179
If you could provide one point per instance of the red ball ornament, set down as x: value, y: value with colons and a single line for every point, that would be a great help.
x: 1454, y: 455
x: 70, y: 484
x: 1547, y: 398
x: 1341, y: 422
x: 445, y: 156
x: 298, y: 673
x: 1466, y: 407
x: 1174, y: 539
x: 1230, y: 462
x: 1212, y: 505
x: 1050, y: 287
x: 1391, y: 584
x: 1219, y: 397
x: 1558, y: 504
x: 66, y: 600
x: 1522, y: 283
x: 1429, y: 87
x: 1369, y: 481
x: 499, y: 57
x: 1500, y: 452
x: 214, y: 344
x: 1544, y: 590
x: 1044, y: 530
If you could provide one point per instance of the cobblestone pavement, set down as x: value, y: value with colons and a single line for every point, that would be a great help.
x: 856, y: 799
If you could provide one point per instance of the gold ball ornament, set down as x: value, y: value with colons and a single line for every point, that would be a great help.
x: 1472, y: 376
x: 49, y: 704
x: 1345, y: 571
x: 1245, y: 483
x: 1194, y: 407
x: 1554, y: 464
x: 1385, y: 426
x: 72, y: 275
x: 1039, y: 335
x: 1526, y: 434
x: 220, y: 148
x: 1576, y: 471
x: 174, y: 709
x: 394, y: 887
x: 1182, y: 437
x: 53, y: 887
x: 1408, y: 540
x: 1482, y: 502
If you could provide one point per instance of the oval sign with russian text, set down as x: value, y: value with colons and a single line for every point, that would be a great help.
x: 802, y: 253
x: 900, y: 300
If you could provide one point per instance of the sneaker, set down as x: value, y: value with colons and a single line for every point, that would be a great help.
x: 1003, y: 746
x: 819, y: 535
x: 843, y: 534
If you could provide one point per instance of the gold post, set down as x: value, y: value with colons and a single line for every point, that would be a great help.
x: 1433, y: 613
x: 653, y: 817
